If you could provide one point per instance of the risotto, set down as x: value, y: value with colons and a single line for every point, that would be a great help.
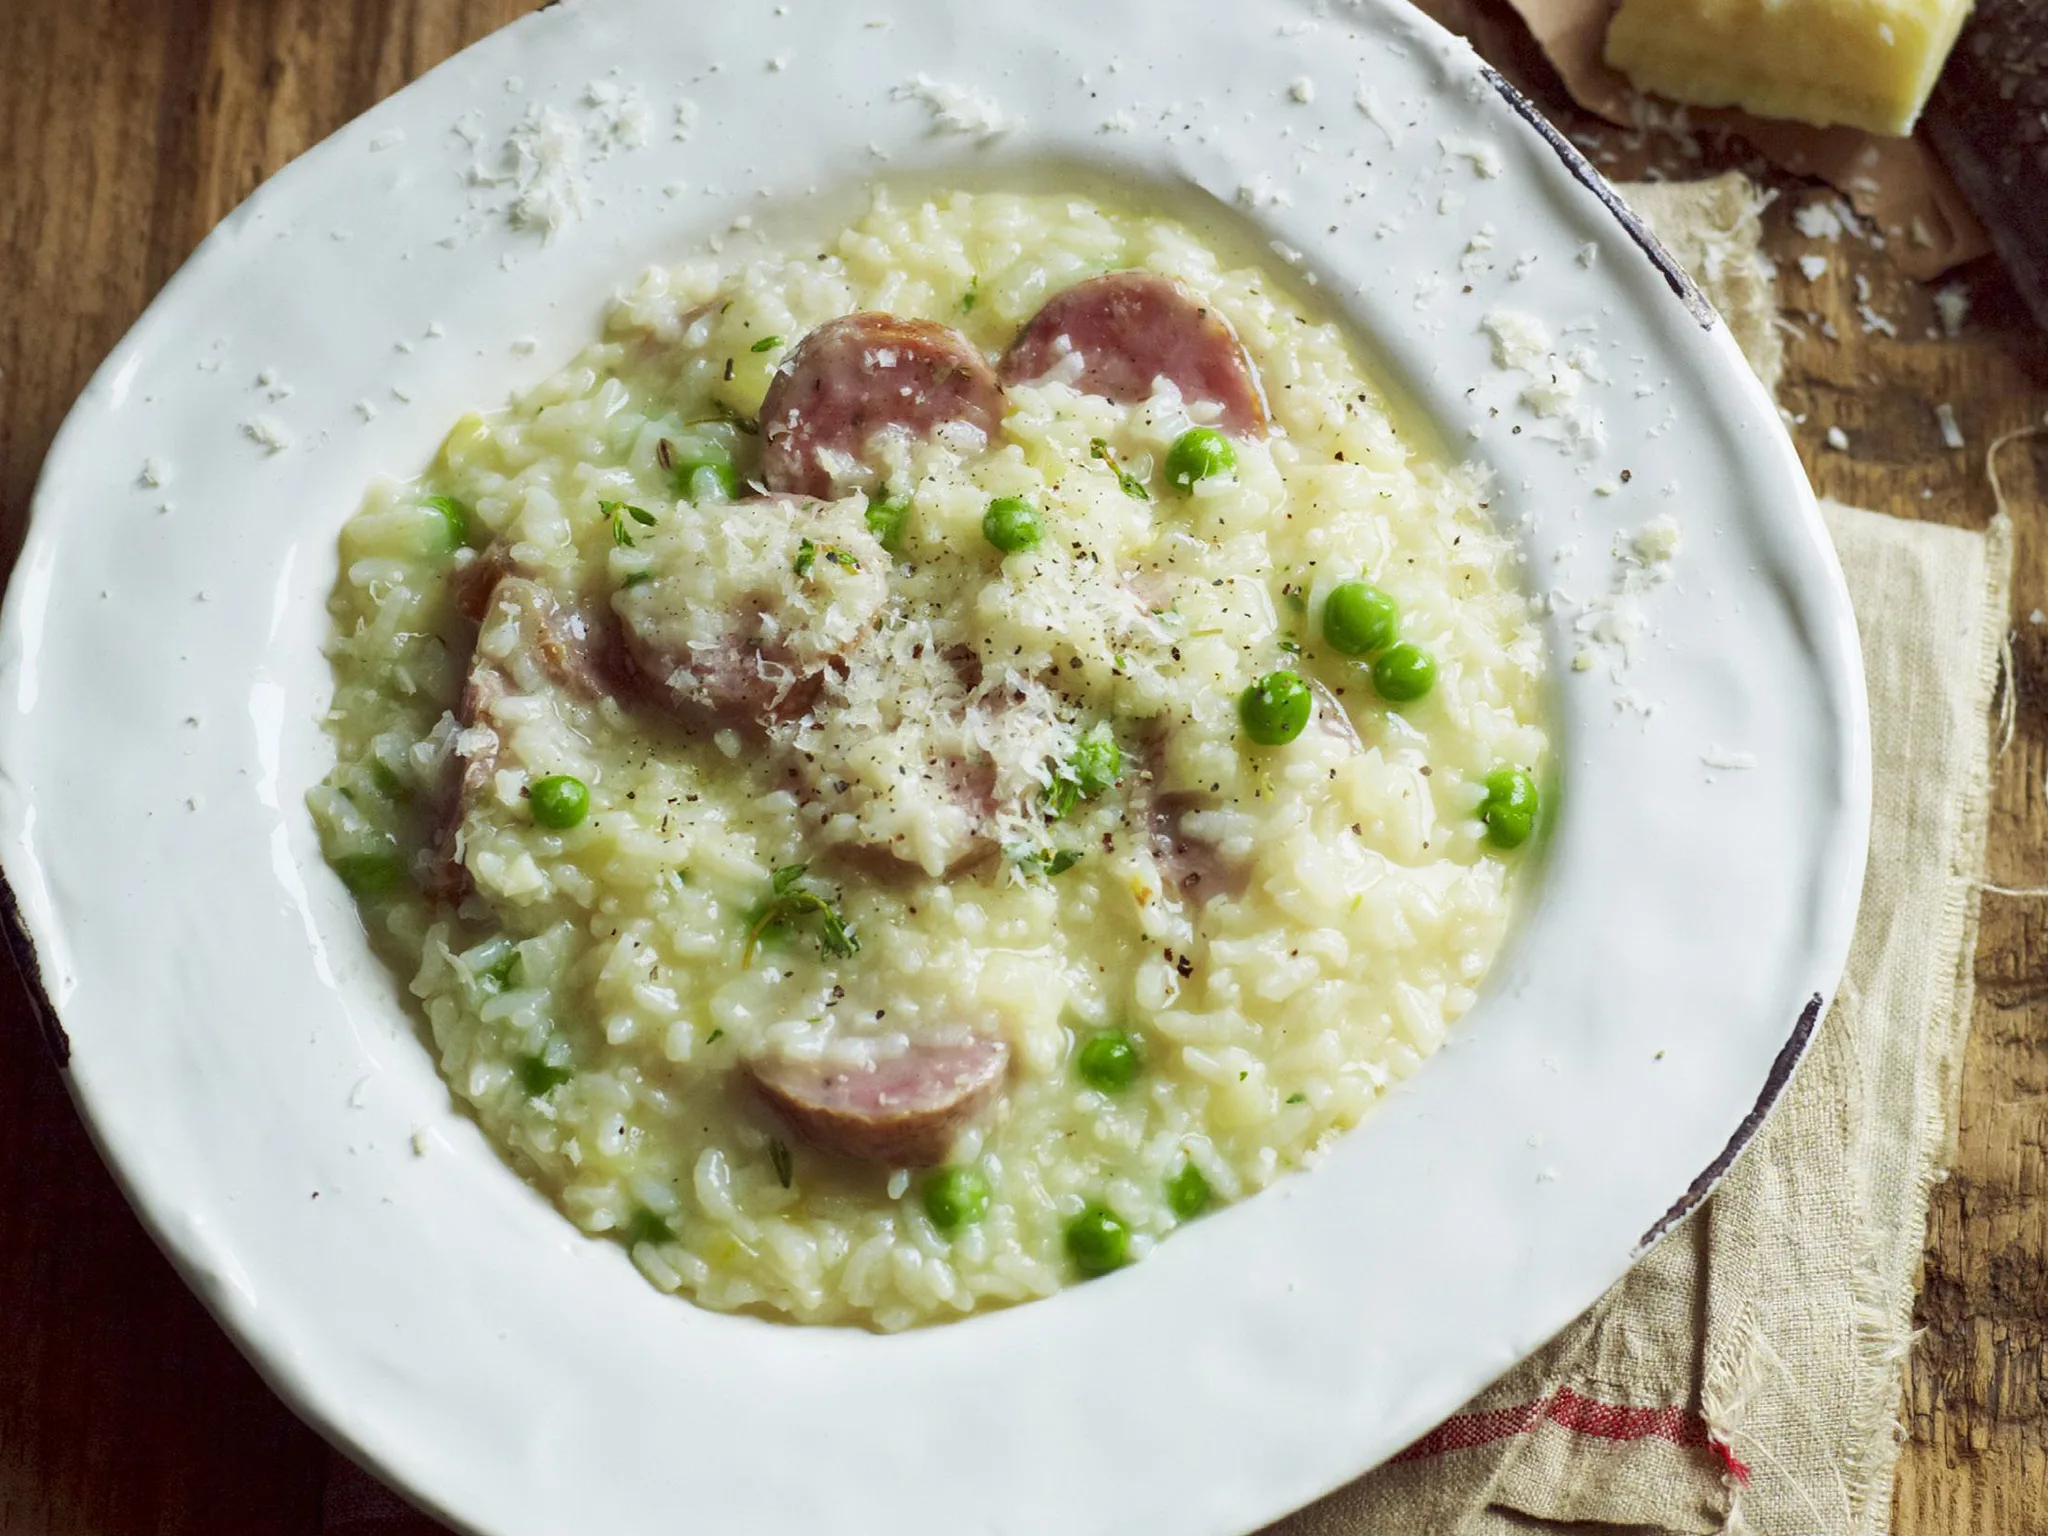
x: 922, y: 762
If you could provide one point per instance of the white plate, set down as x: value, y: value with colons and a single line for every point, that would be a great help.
x: 252, y: 1077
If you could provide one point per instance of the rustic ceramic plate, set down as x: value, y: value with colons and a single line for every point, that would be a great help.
x: 248, y: 1067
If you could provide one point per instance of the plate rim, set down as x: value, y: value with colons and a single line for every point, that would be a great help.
x: 247, y: 1328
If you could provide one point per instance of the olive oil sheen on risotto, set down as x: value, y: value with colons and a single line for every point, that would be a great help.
x: 919, y: 764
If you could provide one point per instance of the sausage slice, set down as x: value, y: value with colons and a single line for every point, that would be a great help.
x: 902, y: 1113
x: 859, y: 375
x: 551, y: 647
x: 722, y: 637
x: 1130, y: 328
x: 1195, y: 867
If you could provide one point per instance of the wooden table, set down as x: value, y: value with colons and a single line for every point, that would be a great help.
x: 129, y: 127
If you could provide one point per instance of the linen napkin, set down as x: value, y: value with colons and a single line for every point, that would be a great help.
x: 1745, y: 1376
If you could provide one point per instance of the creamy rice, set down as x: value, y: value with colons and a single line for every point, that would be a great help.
x: 593, y: 993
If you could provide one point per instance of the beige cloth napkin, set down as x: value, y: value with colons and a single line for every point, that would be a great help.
x: 1745, y: 1376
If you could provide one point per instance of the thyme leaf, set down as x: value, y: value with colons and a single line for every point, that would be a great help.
x: 1131, y: 485
x: 791, y: 901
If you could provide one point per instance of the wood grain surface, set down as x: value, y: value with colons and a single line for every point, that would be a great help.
x: 129, y: 127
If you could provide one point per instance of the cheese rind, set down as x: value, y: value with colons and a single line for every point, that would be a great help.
x: 1865, y: 63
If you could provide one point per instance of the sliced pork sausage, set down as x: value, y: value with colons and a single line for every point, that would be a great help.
x: 859, y: 375
x: 1193, y: 865
x: 749, y: 608
x: 549, y: 646
x: 902, y: 1113
x: 1131, y: 328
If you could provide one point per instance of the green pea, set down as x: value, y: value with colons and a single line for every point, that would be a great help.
x: 1097, y: 762
x: 1358, y: 619
x: 454, y: 518
x: 1012, y: 525
x: 559, y: 801
x: 1098, y: 1241
x: 1187, y: 1193
x: 703, y: 471
x: 370, y: 873
x: 1275, y: 709
x: 886, y: 520
x: 1404, y: 673
x: 1108, y: 1059
x: 1509, y: 809
x: 955, y: 1198
x: 1200, y: 453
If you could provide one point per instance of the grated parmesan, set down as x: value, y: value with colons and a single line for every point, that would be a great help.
x: 1952, y: 307
x: 1817, y: 221
x: 1722, y: 758
x: 267, y: 432
x: 955, y: 108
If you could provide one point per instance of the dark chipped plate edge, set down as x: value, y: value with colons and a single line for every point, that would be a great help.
x: 1583, y: 172
x: 1788, y: 1059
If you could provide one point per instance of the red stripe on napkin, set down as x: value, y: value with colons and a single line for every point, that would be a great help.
x: 1582, y: 1416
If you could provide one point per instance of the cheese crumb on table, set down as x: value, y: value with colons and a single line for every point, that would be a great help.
x: 1952, y: 307
x: 1817, y: 221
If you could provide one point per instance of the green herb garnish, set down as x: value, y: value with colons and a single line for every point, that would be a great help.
x: 972, y: 296
x: 504, y: 975
x: 790, y: 900
x: 1042, y: 861
x: 1094, y: 766
x: 646, y: 1227
x: 618, y: 512
x: 807, y: 555
x: 370, y: 874
x: 1133, y: 487
x: 767, y: 344
x: 1061, y: 795
x: 538, y: 1079
x: 637, y: 578
x: 785, y: 1165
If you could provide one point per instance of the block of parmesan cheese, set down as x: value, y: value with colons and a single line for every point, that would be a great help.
x: 1867, y: 63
